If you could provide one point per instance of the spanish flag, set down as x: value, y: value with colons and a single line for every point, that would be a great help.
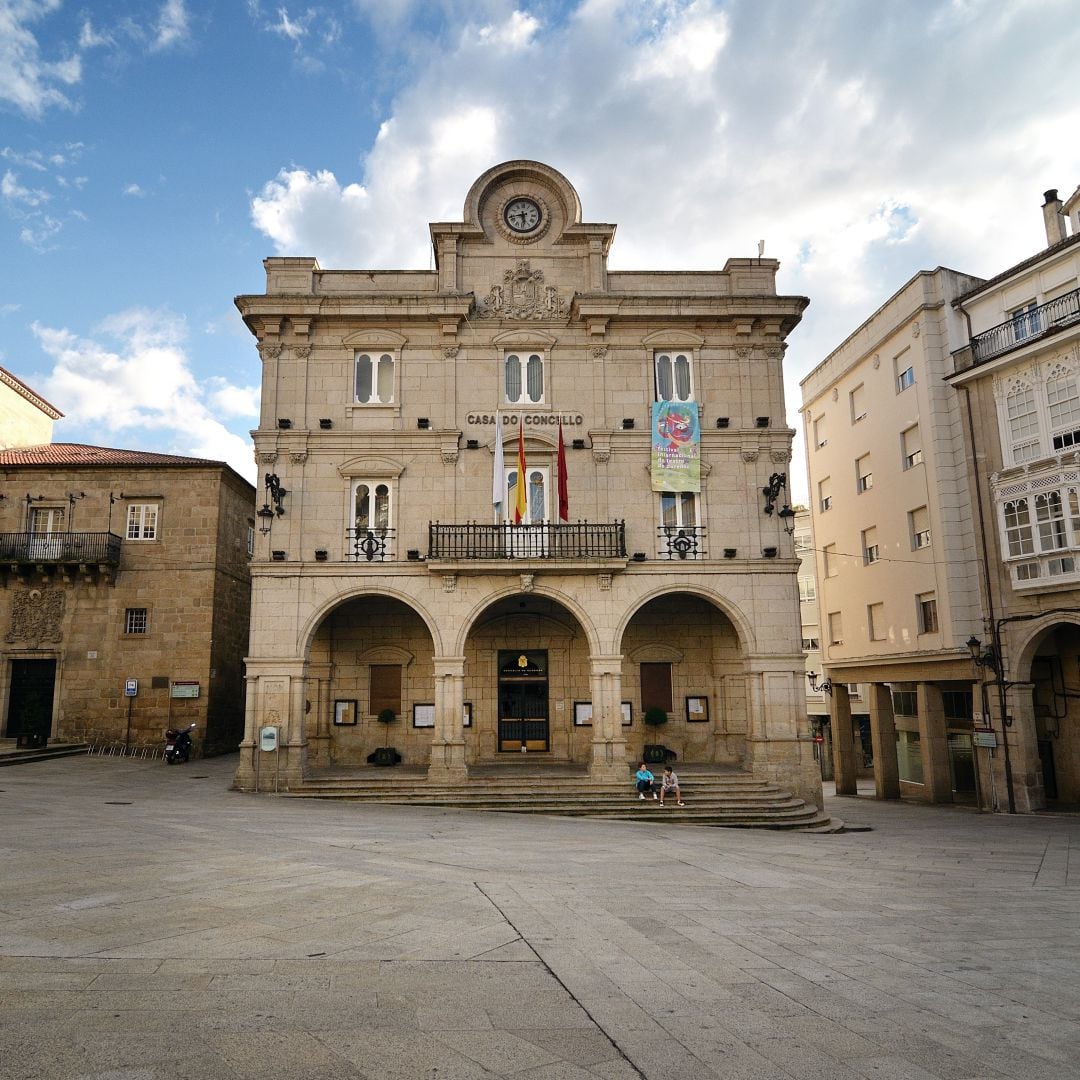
x: 520, y: 505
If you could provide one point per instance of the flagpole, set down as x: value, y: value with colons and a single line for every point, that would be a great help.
x: 498, y: 476
x: 563, y: 491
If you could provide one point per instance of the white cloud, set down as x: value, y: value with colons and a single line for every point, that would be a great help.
x: 14, y: 192
x: 288, y: 28
x: 134, y: 191
x: 134, y: 377
x: 172, y: 26
x: 27, y: 82
x: 89, y: 38
x: 516, y: 32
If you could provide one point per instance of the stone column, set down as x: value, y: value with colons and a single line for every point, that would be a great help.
x: 249, y: 747
x: 448, y: 742
x: 608, y: 760
x: 842, y: 740
x: 934, y: 744
x: 1028, y: 791
x: 883, y: 738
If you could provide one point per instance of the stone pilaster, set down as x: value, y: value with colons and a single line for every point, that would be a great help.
x: 842, y: 740
x: 934, y: 744
x: 608, y: 760
x: 883, y: 739
x: 448, y: 745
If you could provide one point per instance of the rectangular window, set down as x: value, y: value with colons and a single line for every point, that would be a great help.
x: 809, y: 644
x: 905, y: 373
x: 927, y: 605
x: 385, y: 689
x: 374, y: 378
x: 905, y: 702
x: 674, y: 376
x: 807, y: 590
x: 656, y: 687
x: 871, y: 552
x: 825, y: 494
x: 836, y: 628
x: 857, y: 399
x: 959, y: 705
x: 135, y: 620
x: 830, y: 559
x: 820, y: 438
x: 251, y: 541
x: 523, y: 378
x: 1025, y: 320
x: 1050, y: 515
x: 875, y: 621
x: 1063, y: 402
x: 803, y: 544
x: 909, y: 757
x: 1022, y: 418
x: 911, y: 446
x: 864, y: 477
x: 1018, y: 532
x: 1027, y: 571
x: 142, y: 521
x: 1064, y: 565
x: 919, y: 527
x: 678, y: 509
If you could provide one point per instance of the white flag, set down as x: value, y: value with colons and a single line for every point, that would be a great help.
x: 498, y: 479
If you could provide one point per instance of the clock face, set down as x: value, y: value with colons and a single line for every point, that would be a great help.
x: 522, y: 215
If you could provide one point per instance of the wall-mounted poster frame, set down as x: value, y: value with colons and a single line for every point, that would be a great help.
x: 582, y: 714
x: 345, y: 712
x: 697, y: 710
x: 423, y: 715
x: 627, y: 714
x: 466, y: 715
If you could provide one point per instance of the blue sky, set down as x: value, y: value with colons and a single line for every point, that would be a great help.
x: 151, y: 155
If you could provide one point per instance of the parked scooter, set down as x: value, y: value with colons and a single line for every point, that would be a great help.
x: 178, y: 745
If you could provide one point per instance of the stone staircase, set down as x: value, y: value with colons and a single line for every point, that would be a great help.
x: 11, y: 754
x: 713, y: 795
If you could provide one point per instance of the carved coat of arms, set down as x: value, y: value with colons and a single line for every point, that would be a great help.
x: 36, y: 616
x: 522, y: 295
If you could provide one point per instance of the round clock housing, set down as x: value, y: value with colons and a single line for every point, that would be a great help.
x: 522, y: 215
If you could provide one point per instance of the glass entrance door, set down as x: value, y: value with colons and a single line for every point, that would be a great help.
x: 523, y: 700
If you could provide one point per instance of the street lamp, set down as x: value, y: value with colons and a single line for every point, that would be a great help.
x: 987, y: 659
x: 824, y: 687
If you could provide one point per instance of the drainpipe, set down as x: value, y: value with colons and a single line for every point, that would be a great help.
x: 995, y: 636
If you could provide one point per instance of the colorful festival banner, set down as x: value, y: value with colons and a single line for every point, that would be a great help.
x: 676, y: 446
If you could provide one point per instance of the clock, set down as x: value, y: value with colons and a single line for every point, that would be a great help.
x: 522, y: 215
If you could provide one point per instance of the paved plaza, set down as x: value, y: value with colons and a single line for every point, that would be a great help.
x: 156, y: 925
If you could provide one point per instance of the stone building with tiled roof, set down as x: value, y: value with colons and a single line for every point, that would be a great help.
x: 122, y: 569
x: 26, y: 418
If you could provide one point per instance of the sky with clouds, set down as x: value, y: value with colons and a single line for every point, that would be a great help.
x: 151, y: 155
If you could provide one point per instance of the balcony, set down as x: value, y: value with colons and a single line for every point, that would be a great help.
x: 517, y: 544
x: 370, y: 545
x: 1026, y: 326
x: 87, y: 552
x: 681, y: 542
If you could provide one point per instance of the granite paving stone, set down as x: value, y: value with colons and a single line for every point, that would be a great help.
x: 199, y: 933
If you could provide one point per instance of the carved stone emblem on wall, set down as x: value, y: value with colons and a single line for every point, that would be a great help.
x: 302, y: 352
x: 774, y: 352
x: 522, y: 295
x: 527, y: 582
x: 269, y: 352
x: 449, y: 583
x: 266, y: 458
x: 450, y: 352
x: 780, y: 456
x: 37, y: 616
x: 601, y: 457
x: 298, y: 457
x: 598, y: 352
x: 877, y: 360
x: 916, y: 330
x: 449, y: 456
x: 603, y: 582
x: 742, y: 352
x: 749, y: 455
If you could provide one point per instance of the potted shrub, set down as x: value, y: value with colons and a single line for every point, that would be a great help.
x: 386, y: 754
x: 655, y: 717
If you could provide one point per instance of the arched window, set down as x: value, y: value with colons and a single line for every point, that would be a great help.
x: 523, y: 378
x: 374, y: 379
x: 372, y: 506
x: 673, y: 377
x: 1050, y: 515
x: 1018, y: 527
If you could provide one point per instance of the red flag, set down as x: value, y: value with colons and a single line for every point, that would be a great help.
x: 520, y: 505
x: 564, y: 499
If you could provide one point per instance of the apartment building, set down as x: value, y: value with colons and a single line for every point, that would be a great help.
x: 897, y: 581
x: 515, y: 503
x: 1017, y: 381
x: 26, y: 418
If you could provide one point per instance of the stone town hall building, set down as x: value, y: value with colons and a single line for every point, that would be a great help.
x: 385, y: 576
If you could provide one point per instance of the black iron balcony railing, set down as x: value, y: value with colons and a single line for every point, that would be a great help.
x: 682, y: 541
x: 581, y: 540
x: 92, y: 548
x: 1025, y: 326
x: 369, y: 545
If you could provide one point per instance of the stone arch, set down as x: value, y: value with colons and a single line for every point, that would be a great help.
x: 319, y: 614
x: 522, y: 169
x: 472, y: 617
x: 743, y: 628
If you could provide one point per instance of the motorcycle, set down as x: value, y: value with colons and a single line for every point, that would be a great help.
x: 178, y: 744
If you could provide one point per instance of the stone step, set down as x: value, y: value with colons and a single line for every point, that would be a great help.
x: 10, y: 756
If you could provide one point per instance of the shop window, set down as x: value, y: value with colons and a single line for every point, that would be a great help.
x: 909, y: 756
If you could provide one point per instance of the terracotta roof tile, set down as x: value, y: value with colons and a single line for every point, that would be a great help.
x: 81, y: 454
